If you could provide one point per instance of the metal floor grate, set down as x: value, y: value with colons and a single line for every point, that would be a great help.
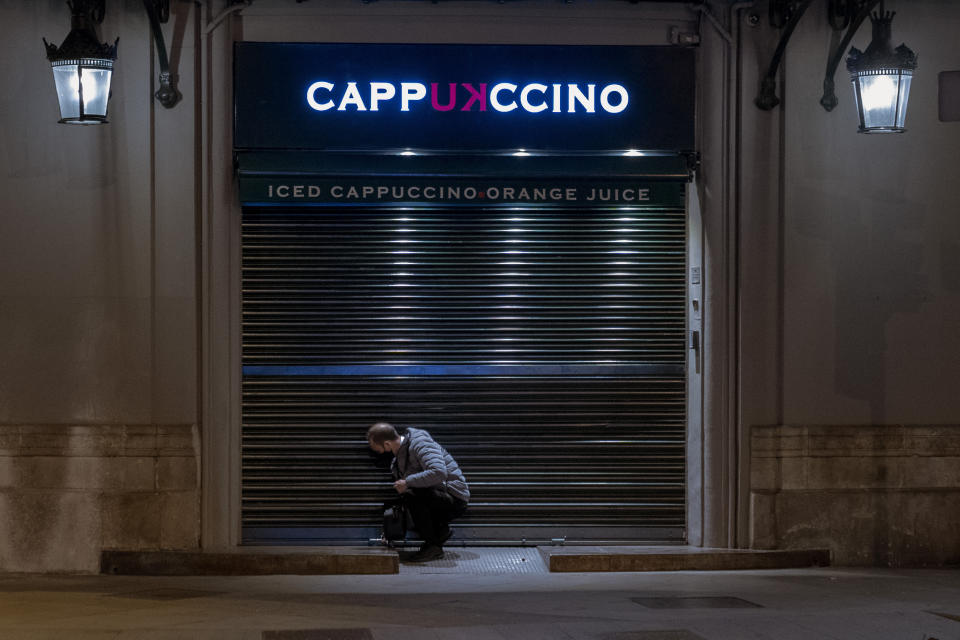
x: 166, y: 594
x: 482, y: 561
x: 696, y: 602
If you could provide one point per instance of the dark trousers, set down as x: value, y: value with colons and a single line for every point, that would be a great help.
x: 432, y: 510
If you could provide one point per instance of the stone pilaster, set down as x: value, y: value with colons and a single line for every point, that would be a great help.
x: 69, y: 491
x: 874, y: 495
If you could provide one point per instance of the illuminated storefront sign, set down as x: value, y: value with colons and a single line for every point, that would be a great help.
x: 534, y: 97
x: 391, y: 97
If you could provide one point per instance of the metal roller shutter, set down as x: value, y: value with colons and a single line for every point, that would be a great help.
x: 545, y: 348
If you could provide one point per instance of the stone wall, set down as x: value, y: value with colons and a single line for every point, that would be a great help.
x: 873, y: 495
x: 67, y: 492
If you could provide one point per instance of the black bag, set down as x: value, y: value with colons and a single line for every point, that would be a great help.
x: 394, y: 522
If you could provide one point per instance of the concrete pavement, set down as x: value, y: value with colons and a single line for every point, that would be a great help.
x: 490, y: 594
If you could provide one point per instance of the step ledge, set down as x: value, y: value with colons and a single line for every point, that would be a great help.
x: 602, y: 559
x: 382, y: 561
x: 339, y: 561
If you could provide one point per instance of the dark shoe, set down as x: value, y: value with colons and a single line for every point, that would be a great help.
x: 426, y: 554
x: 445, y: 536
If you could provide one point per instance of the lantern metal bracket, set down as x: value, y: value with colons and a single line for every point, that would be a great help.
x: 158, y: 11
x: 786, y: 14
x: 97, y: 9
x: 829, y: 99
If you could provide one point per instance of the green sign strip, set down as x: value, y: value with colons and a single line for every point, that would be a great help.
x: 295, y: 189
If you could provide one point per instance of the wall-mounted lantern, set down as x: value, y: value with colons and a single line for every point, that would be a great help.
x: 881, y: 75
x: 83, y: 67
x: 881, y: 79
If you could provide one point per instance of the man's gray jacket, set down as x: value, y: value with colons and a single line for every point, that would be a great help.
x: 424, y: 463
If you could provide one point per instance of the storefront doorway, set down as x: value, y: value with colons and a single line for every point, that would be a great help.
x: 528, y: 307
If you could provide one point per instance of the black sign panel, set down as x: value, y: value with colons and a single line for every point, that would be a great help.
x: 363, y: 97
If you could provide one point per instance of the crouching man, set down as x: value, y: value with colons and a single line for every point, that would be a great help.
x: 428, y: 479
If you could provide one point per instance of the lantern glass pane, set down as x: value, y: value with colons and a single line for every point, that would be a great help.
x: 96, y: 90
x: 905, y: 81
x: 68, y: 90
x: 878, y: 95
